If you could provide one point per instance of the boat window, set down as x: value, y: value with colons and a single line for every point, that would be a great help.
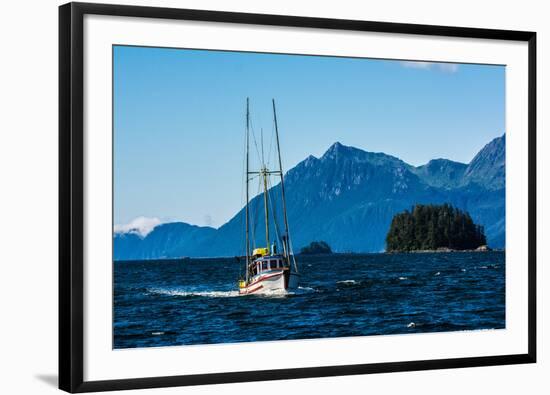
x: 273, y: 264
x: 264, y: 265
x: 285, y: 263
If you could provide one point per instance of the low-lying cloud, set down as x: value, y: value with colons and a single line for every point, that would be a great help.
x: 140, y: 226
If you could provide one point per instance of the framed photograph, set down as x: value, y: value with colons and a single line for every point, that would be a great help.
x: 250, y: 197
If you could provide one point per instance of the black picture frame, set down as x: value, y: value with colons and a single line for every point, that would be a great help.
x: 71, y: 197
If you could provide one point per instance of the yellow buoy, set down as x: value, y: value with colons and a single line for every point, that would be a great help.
x: 242, y: 283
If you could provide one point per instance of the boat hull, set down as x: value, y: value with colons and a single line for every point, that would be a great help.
x: 271, y: 282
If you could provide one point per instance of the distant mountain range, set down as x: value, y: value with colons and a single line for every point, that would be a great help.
x: 347, y: 198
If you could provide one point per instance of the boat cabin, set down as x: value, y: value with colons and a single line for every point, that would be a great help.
x: 267, y: 263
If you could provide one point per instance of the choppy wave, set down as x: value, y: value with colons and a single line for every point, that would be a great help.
x: 347, y: 282
x: 157, y: 304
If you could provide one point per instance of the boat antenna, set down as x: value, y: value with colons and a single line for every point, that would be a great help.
x: 247, y: 170
x: 287, y: 234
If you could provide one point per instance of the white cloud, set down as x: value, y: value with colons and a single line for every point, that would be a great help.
x: 448, y: 67
x: 417, y: 65
x: 444, y: 67
x: 140, y: 226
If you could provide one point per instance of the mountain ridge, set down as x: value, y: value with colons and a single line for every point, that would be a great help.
x: 346, y: 197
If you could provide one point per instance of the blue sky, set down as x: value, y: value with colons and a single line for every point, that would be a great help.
x: 179, y: 118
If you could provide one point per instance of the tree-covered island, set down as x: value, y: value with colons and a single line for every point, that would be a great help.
x: 316, y: 247
x: 434, y: 227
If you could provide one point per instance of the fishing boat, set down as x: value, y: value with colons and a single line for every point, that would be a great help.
x: 269, y: 267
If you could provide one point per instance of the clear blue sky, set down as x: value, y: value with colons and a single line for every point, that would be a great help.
x: 179, y: 119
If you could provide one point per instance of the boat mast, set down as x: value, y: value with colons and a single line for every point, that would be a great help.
x: 287, y: 238
x: 264, y: 175
x: 247, y: 170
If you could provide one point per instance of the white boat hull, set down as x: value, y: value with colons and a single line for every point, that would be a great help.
x: 271, y: 282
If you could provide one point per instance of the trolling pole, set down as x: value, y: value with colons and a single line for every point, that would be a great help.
x: 287, y: 241
x: 246, y: 210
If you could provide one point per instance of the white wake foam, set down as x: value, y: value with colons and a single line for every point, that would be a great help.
x: 207, y: 294
x: 274, y: 293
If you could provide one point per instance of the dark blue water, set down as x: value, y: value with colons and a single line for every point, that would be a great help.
x: 195, y: 301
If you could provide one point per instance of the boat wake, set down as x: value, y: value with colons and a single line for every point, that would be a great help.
x: 182, y: 292
x: 224, y: 294
x: 275, y: 293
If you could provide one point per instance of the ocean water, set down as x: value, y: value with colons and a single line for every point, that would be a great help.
x: 196, y: 301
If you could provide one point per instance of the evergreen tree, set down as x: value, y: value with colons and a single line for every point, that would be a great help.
x: 429, y: 227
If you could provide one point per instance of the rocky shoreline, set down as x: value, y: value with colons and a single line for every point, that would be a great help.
x: 482, y: 248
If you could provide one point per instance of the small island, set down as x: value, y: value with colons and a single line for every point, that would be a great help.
x: 434, y: 228
x: 316, y: 247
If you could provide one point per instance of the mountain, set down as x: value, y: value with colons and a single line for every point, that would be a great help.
x: 488, y: 166
x: 170, y: 240
x: 441, y: 173
x: 347, y: 197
